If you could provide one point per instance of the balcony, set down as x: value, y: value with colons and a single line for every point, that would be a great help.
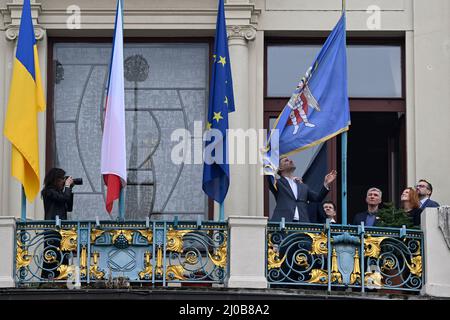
x: 243, y: 253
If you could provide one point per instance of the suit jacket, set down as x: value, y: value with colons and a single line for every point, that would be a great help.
x: 429, y: 204
x: 57, y: 203
x: 359, y: 217
x: 286, y: 201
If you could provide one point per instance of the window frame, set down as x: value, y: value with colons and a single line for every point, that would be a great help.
x: 274, y: 105
x: 50, y: 130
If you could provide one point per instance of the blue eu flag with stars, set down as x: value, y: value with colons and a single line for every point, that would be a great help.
x: 216, y: 171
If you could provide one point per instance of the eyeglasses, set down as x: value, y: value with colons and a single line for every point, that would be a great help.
x: 421, y: 186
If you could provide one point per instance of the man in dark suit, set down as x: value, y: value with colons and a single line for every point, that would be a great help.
x: 424, y: 190
x: 292, y: 195
x: 369, y: 217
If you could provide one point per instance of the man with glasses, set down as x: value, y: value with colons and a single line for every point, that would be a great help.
x: 424, y: 190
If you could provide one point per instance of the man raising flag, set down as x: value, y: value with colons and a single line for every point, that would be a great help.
x: 113, y: 161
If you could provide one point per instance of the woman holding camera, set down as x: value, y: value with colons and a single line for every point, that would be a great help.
x: 57, y: 194
x: 58, y: 200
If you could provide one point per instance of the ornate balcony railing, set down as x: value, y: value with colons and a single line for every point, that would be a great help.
x: 158, y: 253
x: 333, y: 256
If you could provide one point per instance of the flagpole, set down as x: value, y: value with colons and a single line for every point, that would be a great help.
x: 344, y: 164
x: 24, y: 205
x: 344, y: 177
x: 222, y: 213
x: 121, y: 205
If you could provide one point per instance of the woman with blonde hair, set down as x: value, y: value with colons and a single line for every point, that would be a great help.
x: 411, y: 204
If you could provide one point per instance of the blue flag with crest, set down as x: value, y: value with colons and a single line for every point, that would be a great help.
x: 318, y: 109
x: 216, y: 171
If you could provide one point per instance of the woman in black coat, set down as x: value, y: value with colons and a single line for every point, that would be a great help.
x: 57, y: 194
x: 58, y: 200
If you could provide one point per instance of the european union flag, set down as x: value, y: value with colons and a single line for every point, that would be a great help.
x: 318, y: 109
x: 216, y: 171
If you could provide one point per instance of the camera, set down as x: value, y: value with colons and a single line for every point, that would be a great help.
x: 76, y: 181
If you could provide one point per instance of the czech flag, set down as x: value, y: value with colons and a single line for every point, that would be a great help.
x: 113, y: 161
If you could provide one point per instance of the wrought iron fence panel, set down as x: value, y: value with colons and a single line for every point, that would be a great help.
x: 120, y: 254
x: 336, y: 256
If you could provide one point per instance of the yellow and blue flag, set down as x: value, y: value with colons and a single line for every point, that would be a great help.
x: 216, y: 171
x: 25, y: 100
x: 318, y: 109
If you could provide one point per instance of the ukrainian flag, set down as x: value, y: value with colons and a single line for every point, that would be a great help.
x: 25, y: 100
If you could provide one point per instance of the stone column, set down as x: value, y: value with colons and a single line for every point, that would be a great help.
x: 437, y: 256
x: 237, y: 199
x: 247, y: 252
x: 7, y: 237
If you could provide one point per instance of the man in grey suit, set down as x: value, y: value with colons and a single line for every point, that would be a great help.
x: 292, y: 195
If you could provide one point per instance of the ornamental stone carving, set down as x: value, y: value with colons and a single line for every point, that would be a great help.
x: 241, y: 32
x: 13, y: 13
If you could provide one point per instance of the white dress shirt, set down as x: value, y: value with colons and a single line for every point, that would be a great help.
x: 423, y: 201
x: 293, y: 185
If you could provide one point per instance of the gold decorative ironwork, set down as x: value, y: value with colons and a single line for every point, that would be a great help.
x: 49, y: 257
x: 147, y: 234
x: 83, y: 261
x: 372, y: 246
x: 388, y: 264
x: 93, y: 270
x: 319, y: 244
x: 335, y: 274
x: 175, y: 272
x: 301, y: 261
x: 148, y: 266
x: 95, y: 233
x: 219, y: 257
x: 373, y: 279
x: 416, y: 265
x: 175, y: 240
x: 65, y: 271
x: 318, y: 276
x: 273, y: 256
x: 191, y: 258
x: 356, y: 274
x: 159, y: 262
x: 128, y: 234
x: 23, y: 259
x: 68, y: 239
x: 172, y: 272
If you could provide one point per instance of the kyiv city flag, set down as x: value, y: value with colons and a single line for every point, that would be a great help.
x: 318, y: 109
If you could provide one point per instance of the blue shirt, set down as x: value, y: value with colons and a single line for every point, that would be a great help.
x: 370, y: 219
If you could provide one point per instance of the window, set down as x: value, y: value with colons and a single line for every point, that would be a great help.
x: 376, y: 139
x: 166, y: 87
x: 373, y: 70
